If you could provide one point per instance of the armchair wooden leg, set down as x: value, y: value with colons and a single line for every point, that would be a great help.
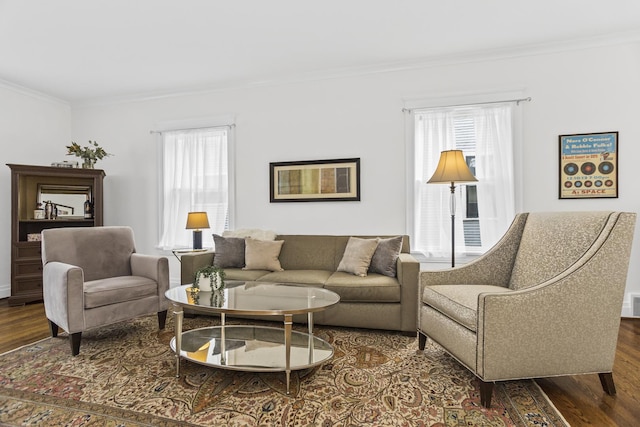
x: 606, y: 379
x: 162, y: 318
x: 422, y: 340
x: 74, y: 340
x: 53, y: 328
x: 486, y: 390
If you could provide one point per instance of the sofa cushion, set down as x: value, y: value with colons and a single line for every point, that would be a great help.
x: 262, y: 254
x: 303, y: 277
x: 114, y: 290
x: 458, y: 302
x: 357, y: 256
x: 229, y: 251
x: 245, y: 275
x: 385, y: 258
x: 372, y: 288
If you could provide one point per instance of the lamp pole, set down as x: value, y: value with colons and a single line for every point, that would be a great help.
x: 452, y: 210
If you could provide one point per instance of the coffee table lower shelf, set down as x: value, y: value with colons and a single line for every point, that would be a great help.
x: 252, y: 348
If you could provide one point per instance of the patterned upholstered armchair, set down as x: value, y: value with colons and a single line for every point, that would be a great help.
x: 92, y: 276
x: 545, y: 301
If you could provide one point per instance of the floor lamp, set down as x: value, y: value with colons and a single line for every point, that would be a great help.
x: 452, y: 168
x: 196, y: 221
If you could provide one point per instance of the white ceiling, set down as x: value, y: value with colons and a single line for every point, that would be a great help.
x: 78, y: 50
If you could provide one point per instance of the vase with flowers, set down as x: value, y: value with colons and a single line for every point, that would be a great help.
x: 89, y: 154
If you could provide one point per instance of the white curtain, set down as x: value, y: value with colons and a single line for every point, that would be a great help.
x: 435, y: 132
x: 195, y: 178
x: 494, y: 170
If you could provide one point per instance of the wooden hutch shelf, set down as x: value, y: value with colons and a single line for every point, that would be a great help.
x: 30, y: 185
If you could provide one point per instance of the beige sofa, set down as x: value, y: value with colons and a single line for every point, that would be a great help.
x: 375, y: 301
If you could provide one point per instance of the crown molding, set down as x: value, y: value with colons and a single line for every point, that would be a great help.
x: 32, y: 93
x: 512, y: 52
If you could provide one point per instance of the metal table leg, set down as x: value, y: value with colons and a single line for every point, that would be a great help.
x: 288, y: 321
x: 178, y: 315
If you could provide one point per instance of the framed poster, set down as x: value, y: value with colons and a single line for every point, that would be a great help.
x: 589, y: 165
x: 315, y: 180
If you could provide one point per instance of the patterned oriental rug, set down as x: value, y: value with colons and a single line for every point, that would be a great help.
x: 125, y: 376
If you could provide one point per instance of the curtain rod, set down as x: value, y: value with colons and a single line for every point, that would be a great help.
x: 195, y: 128
x: 517, y: 101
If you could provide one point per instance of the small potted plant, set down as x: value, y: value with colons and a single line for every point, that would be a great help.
x: 209, y: 278
x: 89, y: 154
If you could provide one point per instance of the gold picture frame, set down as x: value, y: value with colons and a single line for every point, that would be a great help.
x: 315, y: 180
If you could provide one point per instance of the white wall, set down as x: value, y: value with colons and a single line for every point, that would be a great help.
x: 34, y: 129
x: 578, y: 91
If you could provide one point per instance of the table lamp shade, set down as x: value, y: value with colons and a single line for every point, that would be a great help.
x: 452, y: 168
x: 196, y: 221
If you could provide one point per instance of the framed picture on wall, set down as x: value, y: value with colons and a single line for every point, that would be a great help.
x: 315, y: 180
x: 589, y: 165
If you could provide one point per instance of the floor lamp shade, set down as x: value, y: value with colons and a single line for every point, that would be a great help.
x: 196, y: 221
x: 452, y: 168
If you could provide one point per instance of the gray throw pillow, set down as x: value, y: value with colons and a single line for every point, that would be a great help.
x: 357, y: 256
x: 385, y: 258
x: 229, y: 252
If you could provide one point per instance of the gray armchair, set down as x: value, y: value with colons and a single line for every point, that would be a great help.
x: 545, y: 301
x: 92, y: 276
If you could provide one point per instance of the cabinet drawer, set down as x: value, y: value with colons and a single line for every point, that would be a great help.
x: 28, y: 251
x: 27, y: 285
x: 27, y: 268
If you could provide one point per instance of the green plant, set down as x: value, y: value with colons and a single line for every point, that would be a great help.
x: 213, y: 274
x: 90, y: 154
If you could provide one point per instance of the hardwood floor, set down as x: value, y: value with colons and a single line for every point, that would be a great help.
x: 580, y: 399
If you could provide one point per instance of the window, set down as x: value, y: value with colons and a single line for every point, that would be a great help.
x: 195, y: 177
x: 485, y: 208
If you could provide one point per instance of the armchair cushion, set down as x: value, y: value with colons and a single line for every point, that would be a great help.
x: 115, y: 290
x: 458, y: 302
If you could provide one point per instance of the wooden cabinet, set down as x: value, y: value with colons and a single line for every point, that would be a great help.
x: 67, y: 189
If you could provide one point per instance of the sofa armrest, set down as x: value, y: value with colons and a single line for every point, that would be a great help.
x: 63, y: 293
x: 156, y: 268
x: 190, y: 263
x: 408, y: 271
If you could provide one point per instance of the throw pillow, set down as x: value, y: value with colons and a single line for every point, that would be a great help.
x: 385, y: 258
x: 262, y: 254
x: 357, y: 256
x: 229, y: 252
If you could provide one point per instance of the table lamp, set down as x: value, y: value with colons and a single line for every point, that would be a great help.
x: 452, y: 168
x: 196, y: 221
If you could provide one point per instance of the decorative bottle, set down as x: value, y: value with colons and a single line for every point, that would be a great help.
x: 88, y: 209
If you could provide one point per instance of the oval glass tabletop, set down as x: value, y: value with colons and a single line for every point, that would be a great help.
x: 241, y: 297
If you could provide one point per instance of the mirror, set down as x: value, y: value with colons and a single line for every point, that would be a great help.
x: 69, y: 199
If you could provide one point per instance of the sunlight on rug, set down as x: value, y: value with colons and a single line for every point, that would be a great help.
x: 125, y: 376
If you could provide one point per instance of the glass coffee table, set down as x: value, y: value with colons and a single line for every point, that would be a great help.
x: 249, y: 347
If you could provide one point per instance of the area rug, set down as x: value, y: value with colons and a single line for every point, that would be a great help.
x: 125, y: 376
